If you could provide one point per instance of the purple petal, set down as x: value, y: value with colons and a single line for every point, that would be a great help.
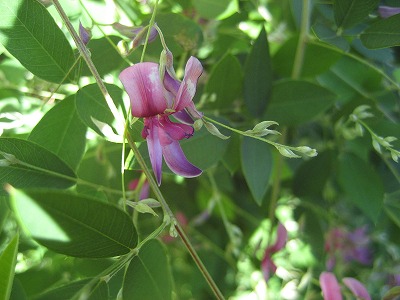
x: 84, y: 34
x: 143, y: 84
x: 329, y: 286
x: 171, y: 84
x: 268, y: 267
x: 187, y: 88
x: 170, y: 131
x: 155, y: 149
x: 177, y: 161
x: 388, y: 11
x: 357, y: 288
x: 145, y: 191
x: 280, y: 239
x: 183, y: 117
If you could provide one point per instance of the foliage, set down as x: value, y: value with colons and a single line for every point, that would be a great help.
x: 299, y: 127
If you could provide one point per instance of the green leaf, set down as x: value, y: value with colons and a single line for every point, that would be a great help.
x: 92, y: 106
x: 8, y: 260
x: 257, y: 166
x: 257, y: 85
x: 105, y: 57
x: 30, y: 34
x: 351, y: 12
x: 311, y: 176
x: 32, y: 166
x: 361, y: 184
x: 77, y: 289
x: 4, y: 212
x: 181, y: 33
x: 62, y: 132
x: 391, y: 206
x: 295, y: 101
x: 225, y: 81
x: 74, y: 225
x: 149, y: 275
x: 211, y: 9
x: 382, y: 34
x: 392, y: 294
x: 317, y: 59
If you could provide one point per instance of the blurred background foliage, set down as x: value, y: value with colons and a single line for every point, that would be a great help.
x: 307, y: 65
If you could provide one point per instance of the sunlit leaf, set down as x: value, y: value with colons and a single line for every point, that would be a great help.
x: 8, y: 259
x: 74, y: 225
x: 257, y: 84
x: 62, y: 132
x: 33, y: 166
x: 382, y: 34
x: 29, y: 33
x: 92, y: 106
x: 211, y: 9
x: 148, y: 275
x: 257, y: 166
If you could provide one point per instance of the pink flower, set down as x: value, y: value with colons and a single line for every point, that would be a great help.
x: 268, y: 267
x: 144, y: 191
x: 331, y: 288
x: 155, y: 98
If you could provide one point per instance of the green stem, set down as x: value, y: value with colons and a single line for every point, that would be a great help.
x: 151, y: 24
x: 301, y: 45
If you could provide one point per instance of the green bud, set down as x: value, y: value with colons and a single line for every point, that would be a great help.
x: 214, y: 130
x: 287, y: 152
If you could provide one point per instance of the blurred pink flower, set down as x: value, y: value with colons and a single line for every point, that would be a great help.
x: 268, y: 267
x: 347, y: 246
x: 155, y: 98
x: 331, y: 288
x: 144, y: 191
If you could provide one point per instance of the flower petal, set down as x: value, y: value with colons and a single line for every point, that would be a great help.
x: 329, y: 286
x: 170, y: 131
x: 143, y: 84
x: 177, y: 161
x: 388, y: 11
x: 280, y: 239
x: 187, y: 89
x: 268, y: 267
x: 183, y: 117
x: 357, y: 288
x: 155, y: 149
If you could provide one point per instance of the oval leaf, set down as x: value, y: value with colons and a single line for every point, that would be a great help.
x: 149, y: 275
x: 257, y: 166
x: 350, y: 12
x: 211, y: 9
x: 382, y: 34
x: 257, y: 83
x: 62, y: 132
x: 294, y: 102
x: 8, y: 260
x: 225, y: 81
x: 92, y: 106
x: 30, y: 34
x: 362, y: 185
x: 32, y: 166
x: 74, y: 225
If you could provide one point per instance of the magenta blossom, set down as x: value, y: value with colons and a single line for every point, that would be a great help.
x: 331, y: 288
x: 144, y: 190
x: 155, y: 98
x: 268, y: 267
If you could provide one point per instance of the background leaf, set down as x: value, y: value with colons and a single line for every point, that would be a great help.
x: 74, y: 225
x: 382, y: 34
x: 62, y: 132
x: 294, y: 102
x: 362, y: 185
x: 51, y: 167
x: 8, y: 260
x: 148, y: 275
x: 225, y: 82
x: 350, y: 12
x: 257, y: 166
x: 392, y: 207
x: 257, y: 85
x: 29, y: 33
x: 211, y: 9
x: 90, y: 103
